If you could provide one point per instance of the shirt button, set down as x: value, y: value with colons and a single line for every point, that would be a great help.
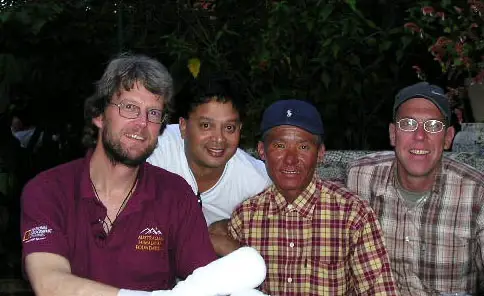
x: 291, y: 245
x: 407, y: 239
x: 289, y: 280
x: 290, y: 207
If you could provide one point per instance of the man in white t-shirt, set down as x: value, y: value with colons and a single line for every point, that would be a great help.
x: 203, y: 149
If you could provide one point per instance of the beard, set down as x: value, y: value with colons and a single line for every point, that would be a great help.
x: 117, y: 154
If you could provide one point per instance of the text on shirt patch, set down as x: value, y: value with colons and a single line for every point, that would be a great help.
x: 36, y: 233
x: 150, y: 239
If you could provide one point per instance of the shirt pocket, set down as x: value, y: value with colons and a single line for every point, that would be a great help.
x: 328, y: 277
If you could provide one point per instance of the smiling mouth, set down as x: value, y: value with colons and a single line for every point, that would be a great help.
x: 289, y: 172
x: 135, y: 137
x: 215, y: 152
x: 419, y: 152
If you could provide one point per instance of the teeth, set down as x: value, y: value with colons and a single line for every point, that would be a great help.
x: 136, y: 137
x: 289, y: 172
x: 216, y: 150
x: 419, y: 152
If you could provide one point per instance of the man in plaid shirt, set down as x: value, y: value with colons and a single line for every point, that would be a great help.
x: 316, y: 237
x: 430, y: 207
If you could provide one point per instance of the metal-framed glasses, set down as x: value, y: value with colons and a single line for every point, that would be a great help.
x: 132, y: 111
x: 430, y: 126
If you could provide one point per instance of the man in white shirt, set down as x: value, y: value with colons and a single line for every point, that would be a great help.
x: 203, y: 149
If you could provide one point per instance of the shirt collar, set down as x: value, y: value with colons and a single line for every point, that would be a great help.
x: 436, y: 187
x: 303, y: 204
x: 85, y: 186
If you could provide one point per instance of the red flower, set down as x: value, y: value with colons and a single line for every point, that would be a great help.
x: 412, y: 27
x: 443, y: 41
x: 428, y: 10
x: 441, y: 15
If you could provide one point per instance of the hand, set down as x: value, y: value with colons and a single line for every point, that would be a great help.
x: 219, y: 227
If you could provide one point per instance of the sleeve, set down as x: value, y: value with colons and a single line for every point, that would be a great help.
x: 42, y: 224
x: 371, y: 270
x: 193, y: 246
x: 235, y: 225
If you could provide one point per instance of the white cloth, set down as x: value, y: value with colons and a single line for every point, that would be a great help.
x: 238, y: 272
x: 244, y: 176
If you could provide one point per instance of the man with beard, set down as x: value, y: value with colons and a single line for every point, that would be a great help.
x: 203, y: 149
x: 111, y: 220
x: 430, y: 207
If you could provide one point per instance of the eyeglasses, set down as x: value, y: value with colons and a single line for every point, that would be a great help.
x: 132, y: 111
x: 410, y: 125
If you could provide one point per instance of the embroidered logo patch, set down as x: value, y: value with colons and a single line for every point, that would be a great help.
x: 289, y: 113
x: 36, y: 233
x: 150, y: 239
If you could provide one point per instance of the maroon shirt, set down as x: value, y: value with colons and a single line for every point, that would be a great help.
x: 160, y: 235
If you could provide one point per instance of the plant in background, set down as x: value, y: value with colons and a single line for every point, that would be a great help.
x: 454, y: 34
x: 331, y: 52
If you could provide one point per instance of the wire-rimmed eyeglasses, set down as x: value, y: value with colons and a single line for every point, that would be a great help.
x: 430, y: 126
x: 132, y: 111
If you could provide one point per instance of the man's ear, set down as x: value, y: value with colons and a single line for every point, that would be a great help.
x: 261, y: 151
x: 321, y: 153
x: 98, y: 121
x: 182, y: 125
x: 392, y: 131
x: 449, y: 136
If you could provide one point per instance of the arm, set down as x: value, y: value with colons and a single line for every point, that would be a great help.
x: 371, y: 271
x: 50, y: 275
x: 221, y: 241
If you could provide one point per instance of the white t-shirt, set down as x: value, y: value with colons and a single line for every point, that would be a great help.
x: 244, y: 176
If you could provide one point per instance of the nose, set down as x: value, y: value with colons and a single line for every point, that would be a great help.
x: 290, y: 158
x: 419, y: 133
x: 142, y: 119
x: 218, y: 135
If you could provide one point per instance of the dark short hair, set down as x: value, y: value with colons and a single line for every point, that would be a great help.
x: 122, y: 73
x: 215, y: 88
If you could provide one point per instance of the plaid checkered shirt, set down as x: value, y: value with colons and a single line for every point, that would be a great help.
x: 436, y: 245
x: 327, y: 242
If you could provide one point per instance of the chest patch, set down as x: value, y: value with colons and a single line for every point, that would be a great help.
x: 150, y: 239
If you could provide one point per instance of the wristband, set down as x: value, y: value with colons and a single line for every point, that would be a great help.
x: 125, y: 292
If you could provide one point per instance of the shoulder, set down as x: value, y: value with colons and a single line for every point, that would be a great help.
x: 383, y: 158
x: 257, y: 202
x: 160, y: 177
x: 244, y: 161
x: 59, y: 174
x: 170, y: 142
x: 459, y: 171
x: 339, y: 198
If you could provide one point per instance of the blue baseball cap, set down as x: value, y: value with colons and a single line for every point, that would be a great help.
x: 427, y: 91
x: 292, y: 112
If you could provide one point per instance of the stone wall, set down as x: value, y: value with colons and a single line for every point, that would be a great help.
x: 334, y: 165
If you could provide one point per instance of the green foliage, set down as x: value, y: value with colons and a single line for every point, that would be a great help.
x: 344, y: 56
x: 325, y: 51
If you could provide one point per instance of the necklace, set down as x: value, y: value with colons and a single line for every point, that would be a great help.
x: 108, y: 225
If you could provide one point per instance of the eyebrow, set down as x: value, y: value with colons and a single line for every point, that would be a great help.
x: 213, y: 120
